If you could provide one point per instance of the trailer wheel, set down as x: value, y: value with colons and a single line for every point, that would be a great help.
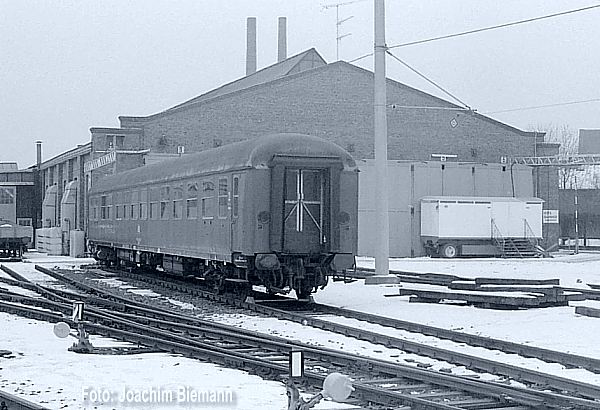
x: 449, y: 250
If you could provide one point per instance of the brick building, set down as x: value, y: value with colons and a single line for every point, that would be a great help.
x: 304, y: 94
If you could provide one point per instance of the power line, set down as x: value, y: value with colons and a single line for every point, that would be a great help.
x: 464, y: 33
x: 514, y: 23
x: 543, y: 106
x: 428, y: 80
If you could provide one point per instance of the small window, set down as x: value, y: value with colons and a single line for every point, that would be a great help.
x: 143, y: 206
x: 117, y: 201
x: 134, y: 205
x: 153, y: 210
x: 177, y: 203
x: 208, y: 199
x: 24, y: 221
x: 236, y: 196
x: 7, y: 196
x: 192, y: 202
x: 165, y: 193
x: 105, y: 205
x: 223, y: 197
x: 119, y: 141
x: 127, y: 205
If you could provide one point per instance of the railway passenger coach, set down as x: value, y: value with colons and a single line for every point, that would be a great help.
x: 279, y: 211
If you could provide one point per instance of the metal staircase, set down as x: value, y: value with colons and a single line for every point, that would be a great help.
x: 526, y: 247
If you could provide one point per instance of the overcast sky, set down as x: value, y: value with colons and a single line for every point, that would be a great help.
x: 70, y: 65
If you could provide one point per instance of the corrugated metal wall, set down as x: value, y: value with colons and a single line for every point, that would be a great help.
x: 410, y: 181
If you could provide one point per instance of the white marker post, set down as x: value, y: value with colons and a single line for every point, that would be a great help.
x: 296, y: 364
x: 77, y: 315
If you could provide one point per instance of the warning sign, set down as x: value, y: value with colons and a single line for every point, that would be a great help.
x: 550, y: 216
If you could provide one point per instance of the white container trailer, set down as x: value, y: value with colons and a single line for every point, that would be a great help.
x: 453, y: 226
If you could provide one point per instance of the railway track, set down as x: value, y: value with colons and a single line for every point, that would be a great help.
x: 308, y: 315
x: 9, y: 401
x: 376, y: 381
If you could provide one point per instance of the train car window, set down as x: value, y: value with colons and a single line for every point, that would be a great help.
x: 133, y: 206
x: 192, y: 202
x: 154, y: 210
x: 126, y: 204
x: 236, y: 196
x: 165, y: 193
x: 105, y: 207
x: 143, y: 211
x: 208, y: 199
x: 177, y: 203
x: 117, y: 203
x: 223, y: 197
x: 93, y: 209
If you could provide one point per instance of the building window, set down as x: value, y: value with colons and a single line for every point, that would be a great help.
x: 192, y: 201
x: 208, y: 199
x: 115, y: 142
x: 7, y: 196
x: 24, y: 221
x: 223, y: 197
x: 119, y: 141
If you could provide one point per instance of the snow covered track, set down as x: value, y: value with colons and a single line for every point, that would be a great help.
x: 15, y: 402
x: 518, y: 373
x: 377, y: 381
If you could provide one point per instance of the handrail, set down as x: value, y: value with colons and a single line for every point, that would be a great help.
x: 497, y: 237
x: 529, y: 235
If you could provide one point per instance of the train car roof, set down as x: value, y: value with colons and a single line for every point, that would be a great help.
x: 253, y: 153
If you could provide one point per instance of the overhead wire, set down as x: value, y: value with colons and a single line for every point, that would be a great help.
x: 479, y: 30
x: 428, y: 80
x: 543, y: 106
x: 514, y: 23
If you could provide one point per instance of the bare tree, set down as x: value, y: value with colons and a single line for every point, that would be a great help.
x: 569, y: 143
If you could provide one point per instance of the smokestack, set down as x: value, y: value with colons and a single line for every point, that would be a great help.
x: 39, y: 153
x: 282, y: 40
x: 250, y: 45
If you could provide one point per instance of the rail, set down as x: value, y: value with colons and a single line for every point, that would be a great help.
x: 518, y: 373
x: 267, y: 356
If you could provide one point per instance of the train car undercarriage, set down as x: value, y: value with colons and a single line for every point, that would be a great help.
x: 278, y: 273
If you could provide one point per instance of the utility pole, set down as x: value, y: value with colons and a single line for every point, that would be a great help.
x: 382, y: 252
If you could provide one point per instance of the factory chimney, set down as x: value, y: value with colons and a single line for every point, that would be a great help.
x: 250, y: 45
x: 282, y: 40
x: 38, y: 145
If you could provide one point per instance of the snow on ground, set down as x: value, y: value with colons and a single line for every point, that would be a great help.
x: 42, y: 370
x: 557, y: 328
x: 46, y: 367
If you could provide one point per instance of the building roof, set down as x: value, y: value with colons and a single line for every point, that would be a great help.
x: 308, y: 63
x: 303, y: 61
x: 8, y: 166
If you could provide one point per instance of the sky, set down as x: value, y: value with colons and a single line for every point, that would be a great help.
x: 69, y: 65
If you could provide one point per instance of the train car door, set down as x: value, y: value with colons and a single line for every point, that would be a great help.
x: 235, y: 211
x: 305, y: 203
